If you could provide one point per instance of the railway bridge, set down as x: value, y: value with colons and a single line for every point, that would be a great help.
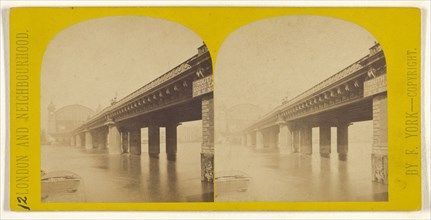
x: 185, y: 93
x: 356, y: 93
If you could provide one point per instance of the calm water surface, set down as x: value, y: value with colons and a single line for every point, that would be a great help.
x: 297, y: 177
x: 129, y: 178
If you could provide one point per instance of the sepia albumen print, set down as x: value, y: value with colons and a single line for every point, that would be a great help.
x: 301, y: 113
x: 127, y: 113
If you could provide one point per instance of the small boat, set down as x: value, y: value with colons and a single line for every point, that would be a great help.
x: 232, y: 181
x: 56, y: 182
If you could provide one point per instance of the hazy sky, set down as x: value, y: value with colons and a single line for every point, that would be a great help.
x: 262, y: 62
x: 90, y: 62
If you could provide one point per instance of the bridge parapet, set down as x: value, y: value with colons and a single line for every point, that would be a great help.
x: 156, y: 82
x: 173, y: 86
x: 327, y: 82
x: 344, y: 73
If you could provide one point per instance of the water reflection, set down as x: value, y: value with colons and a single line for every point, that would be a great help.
x: 172, y: 186
x: 153, y: 179
x: 129, y: 178
x: 299, y: 177
x: 325, y: 175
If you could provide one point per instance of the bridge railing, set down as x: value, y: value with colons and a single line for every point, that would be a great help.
x: 265, y: 117
x: 181, y: 68
x: 329, y: 81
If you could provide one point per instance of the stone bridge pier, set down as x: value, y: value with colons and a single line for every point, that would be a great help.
x: 207, y: 152
x: 285, y: 138
x: 88, y: 140
x: 99, y: 137
x: 171, y: 140
x: 79, y: 140
x: 130, y: 140
x: 113, y: 137
x: 379, y: 155
x: 154, y: 140
x: 259, y: 139
x: 264, y: 138
x: 305, y: 141
x: 342, y: 140
x: 325, y: 140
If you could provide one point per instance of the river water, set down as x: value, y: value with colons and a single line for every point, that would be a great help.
x: 271, y: 176
x: 128, y: 178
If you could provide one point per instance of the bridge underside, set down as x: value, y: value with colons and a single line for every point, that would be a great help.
x: 190, y: 110
x: 361, y: 110
x: 124, y: 134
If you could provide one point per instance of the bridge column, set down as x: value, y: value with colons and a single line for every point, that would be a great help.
x: 342, y: 140
x: 285, y: 139
x: 99, y: 139
x: 306, y: 140
x: 273, y: 136
x: 325, y: 140
x: 379, y: 156
x: 104, y: 139
x: 125, y: 141
x: 207, y: 154
x: 96, y: 138
x: 114, y: 138
x: 78, y: 140
x: 88, y: 140
x: 259, y: 139
x: 135, y: 141
x: 154, y: 141
x: 82, y: 139
x: 296, y: 140
x: 171, y: 141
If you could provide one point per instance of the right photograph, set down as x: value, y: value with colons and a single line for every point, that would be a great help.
x: 300, y: 113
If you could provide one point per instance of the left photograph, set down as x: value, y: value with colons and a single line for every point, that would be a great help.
x: 127, y: 113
